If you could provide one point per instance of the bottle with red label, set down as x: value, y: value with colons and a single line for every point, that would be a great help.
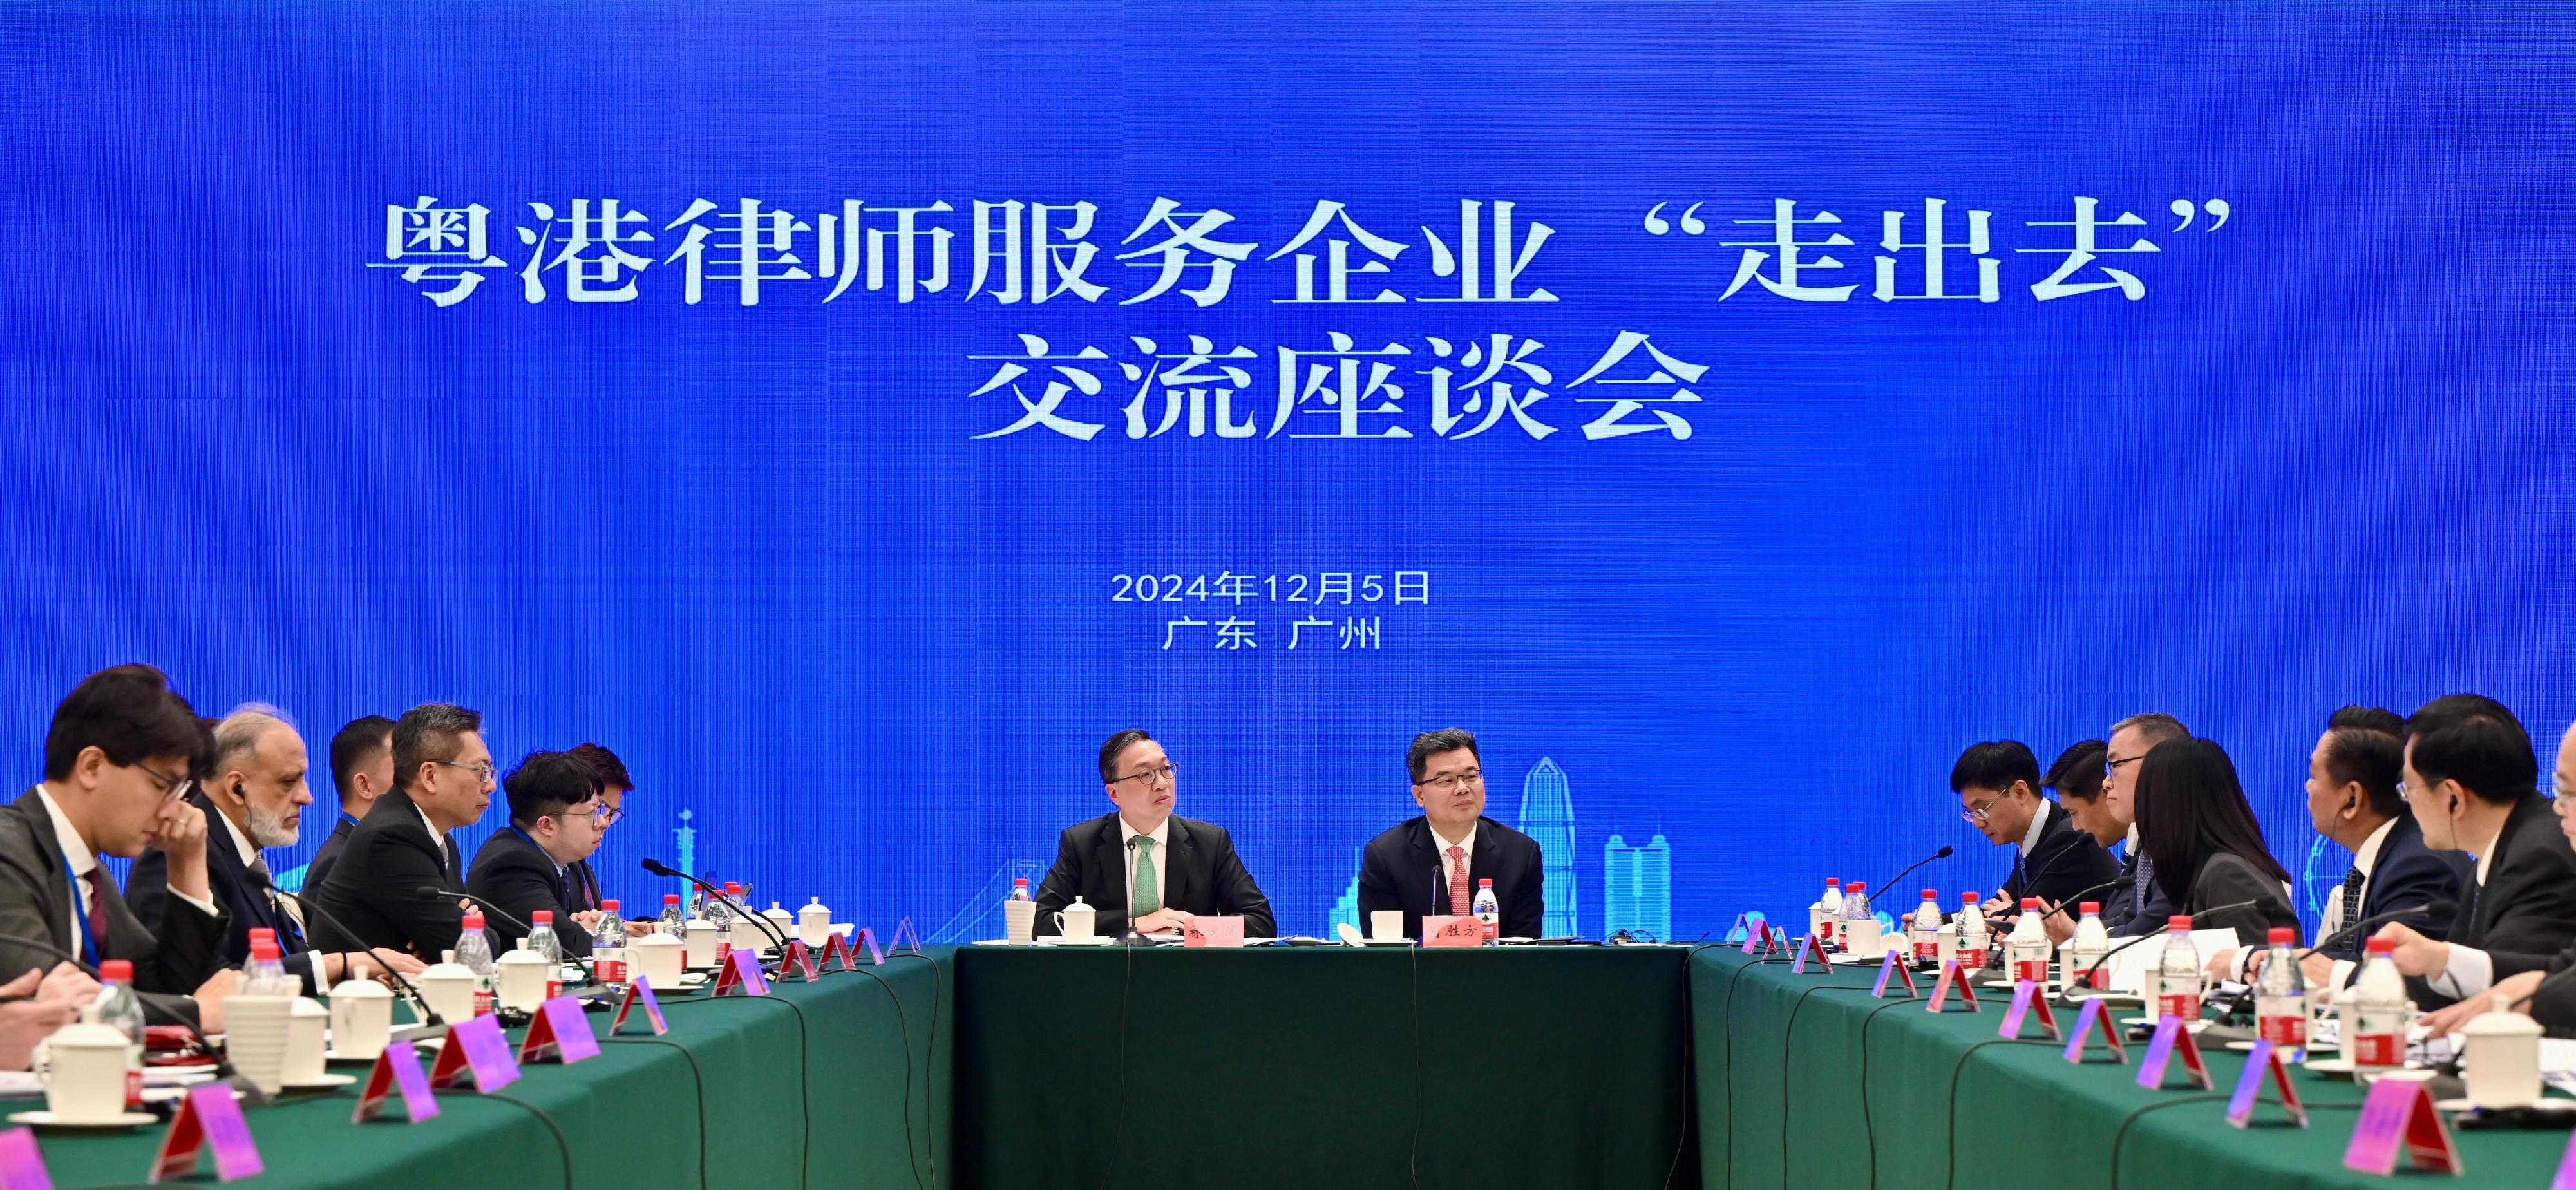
x: 118, y: 1009
x: 543, y: 943
x: 608, y: 949
x: 1973, y: 937
x: 2178, y: 972
x: 2281, y: 995
x: 2379, y: 1010
x: 1489, y: 911
x: 474, y: 953
x: 2030, y: 945
x: 1927, y: 927
x: 2084, y: 966
x: 1826, y: 913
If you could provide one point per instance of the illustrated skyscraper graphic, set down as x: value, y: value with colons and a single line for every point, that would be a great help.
x: 1547, y: 816
x: 1637, y: 892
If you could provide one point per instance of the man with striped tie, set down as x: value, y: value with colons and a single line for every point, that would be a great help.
x: 1142, y: 867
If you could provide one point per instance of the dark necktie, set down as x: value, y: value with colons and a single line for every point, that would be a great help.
x: 99, y: 891
x: 290, y: 937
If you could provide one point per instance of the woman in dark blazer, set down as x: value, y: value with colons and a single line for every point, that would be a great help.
x: 2195, y: 826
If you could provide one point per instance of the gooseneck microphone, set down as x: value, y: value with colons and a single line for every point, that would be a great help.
x: 1890, y: 882
x: 659, y: 868
x: 261, y: 881
x: 2430, y: 909
x: 487, y: 907
x: 2077, y: 900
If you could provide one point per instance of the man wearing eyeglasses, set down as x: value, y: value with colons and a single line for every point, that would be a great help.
x: 1430, y: 864
x: 2138, y: 905
x: 555, y: 819
x: 118, y: 760
x: 442, y: 781
x: 581, y: 879
x: 1143, y: 867
x: 1998, y: 787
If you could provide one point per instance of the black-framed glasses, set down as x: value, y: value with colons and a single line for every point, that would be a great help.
x: 606, y: 815
x: 481, y: 768
x: 2111, y: 768
x: 1452, y: 782
x: 1154, y: 776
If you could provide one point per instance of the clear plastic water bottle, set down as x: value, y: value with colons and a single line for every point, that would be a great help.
x: 2379, y: 1019
x: 1489, y: 911
x: 267, y: 973
x: 2281, y: 995
x: 258, y: 934
x: 1926, y: 930
x: 2178, y: 972
x: 1859, y: 930
x: 720, y: 916
x: 2084, y: 953
x: 1020, y: 889
x: 1827, y: 913
x: 474, y: 953
x: 542, y: 941
x: 608, y: 949
x: 674, y: 921
x: 2030, y: 945
x: 117, y: 1008
x: 1973, y: 937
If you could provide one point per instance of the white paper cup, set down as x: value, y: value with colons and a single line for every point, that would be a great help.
x: 448, y: 988
x: 657, y: 958
x: 1386, y: 925
x: 703, y: 942
x: 255, y: 1029
x: 361, y: 1020
x: 84, y: 1073
x: 306, y: 1023
x: 1022, y: 919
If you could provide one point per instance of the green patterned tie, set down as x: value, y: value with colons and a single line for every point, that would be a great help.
x: 1146, y: 899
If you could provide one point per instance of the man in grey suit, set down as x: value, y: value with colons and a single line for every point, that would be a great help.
x: 118, y: 762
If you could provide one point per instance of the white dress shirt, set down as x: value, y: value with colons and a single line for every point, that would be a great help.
x: 1451, y: 871
x: 83, y: 861
x: 2038, y: 825
x: 2332, y: 923
x: 1162, y: 837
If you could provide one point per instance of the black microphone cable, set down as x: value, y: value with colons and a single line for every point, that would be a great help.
x: 428, y: 1014
x: 1126, y: 984
x: 937, y: 988
x: 804, y: 1070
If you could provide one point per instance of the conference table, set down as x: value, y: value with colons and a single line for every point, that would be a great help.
x: 1611, y: 1066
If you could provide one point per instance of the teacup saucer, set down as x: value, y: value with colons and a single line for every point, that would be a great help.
x: 46, y: 1119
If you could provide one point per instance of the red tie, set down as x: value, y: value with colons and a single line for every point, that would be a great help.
x: 1458, y: 882
x: 99, y: 891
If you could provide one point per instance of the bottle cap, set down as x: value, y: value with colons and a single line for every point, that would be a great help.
x: 542, y: 917
x: 262, y: 934
x: 732, y: 889
x: 116, y: 970
x: 1931, y: 894
x: 2090, y: 908
x: 1016, y: 882
x: 1484, y: 883
x: 2179, y: 921
x: 263, y: 952
x: 2030, y: 904
x: 2383, y: 946
x: 1833, y: 882
x: 2283, y: 935
x: 1968, y: 898
x: 473, y: 921
x: 1857, y: 886
x: 610, y: 905
x: 670, y: 898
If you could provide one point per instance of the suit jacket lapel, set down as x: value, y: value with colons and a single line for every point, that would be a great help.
x: 1180, y: 871
x: 1109, y: 849
x: 59, y: 898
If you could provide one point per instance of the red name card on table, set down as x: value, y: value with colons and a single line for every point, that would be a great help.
x: 1808, y: 946
x: 397, y: 1069
x: 2172, y: 1037
x: 1952, y: 975
x: 2027, y: 996
x: 640, y: 991
x: 208, y: 1118
x: 2095, y: 1015
x: 1453, y: 931
x: 1891, y: 965
x: 475, y: 1046
x: 2400, y: 1111
x: 559, y: 1031
x: 2264, y: 1062
x: 1213, y: 930
x: 22, y: 1165
x: 1752, y: 932
x: 798, y: 961
x: 2566, y: 1179
x: 741, y: 976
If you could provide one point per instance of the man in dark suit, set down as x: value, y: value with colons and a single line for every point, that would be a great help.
x: 581, y: 878
x: 442, y: 781
x: 2470, y: 781
x: 2138, y: 904
x: 1431, y: 864
x: 2548, y: 993
x: 1143, y: 867
x: 1998, y: 788
x: 362, y: 769
x: 521, y: 869
x: 254, y: 799
x: 118, y: 760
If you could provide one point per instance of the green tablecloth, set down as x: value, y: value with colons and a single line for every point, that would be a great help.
x: 1792, y: 1055
x: 1301, y: 1068
x: 810, y: 1083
